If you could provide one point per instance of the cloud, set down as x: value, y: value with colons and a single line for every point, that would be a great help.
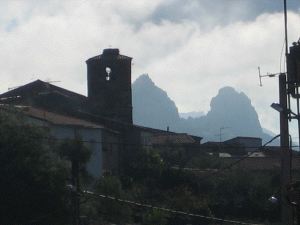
x: 209, y: 13
x: 227, y: 56
x: 190, y: 55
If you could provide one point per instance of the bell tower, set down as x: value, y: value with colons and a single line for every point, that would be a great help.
x: 109, y: 85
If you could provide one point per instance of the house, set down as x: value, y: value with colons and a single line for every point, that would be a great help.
x: 235, y: 147
x: 255, y: 157
x: 177, y: 145
x: 62, y: 128
x: 223, y: 149
x: 250, y: 144
x: 177, y: 139
x: 103, y: 117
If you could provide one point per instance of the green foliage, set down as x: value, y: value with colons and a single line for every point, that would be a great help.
x: 175, y: 156
x: 74, y: 150
x: 108, y: 210
x: 247, y: 195
x: 142, y: 164
x: 155, y: 217
x: 151, y: 180
x: 33, y: 178
x: 149, y: 177
x: 204, y: 161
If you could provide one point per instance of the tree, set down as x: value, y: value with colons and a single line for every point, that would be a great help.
x: 244, y: 194
x: 74, y: 151
x: 78, y: 155
x: 33, y: 177
x: 109, y: 210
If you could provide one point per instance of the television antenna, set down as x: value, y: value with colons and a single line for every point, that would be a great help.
x: 12, y: 88
x: 265, y: 75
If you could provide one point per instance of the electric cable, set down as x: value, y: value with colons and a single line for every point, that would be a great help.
x: 137, y: 204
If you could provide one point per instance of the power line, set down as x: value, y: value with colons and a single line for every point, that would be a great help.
x: 137, y: 204
x: 237, y: 161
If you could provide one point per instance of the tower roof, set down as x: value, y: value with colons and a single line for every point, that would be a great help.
x: 110, y: 53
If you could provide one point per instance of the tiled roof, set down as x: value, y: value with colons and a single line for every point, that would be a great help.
x: 39, y: 87
x: 245, y: 137
x: 172, y: 139
x: 58, y: 119
x: 240, y: 138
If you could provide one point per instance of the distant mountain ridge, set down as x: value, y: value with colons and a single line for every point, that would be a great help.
x: 193, y: 114
x: 151, y: 105
x: 231, y: 113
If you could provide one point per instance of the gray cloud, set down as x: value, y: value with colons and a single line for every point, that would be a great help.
x: 210, y: 13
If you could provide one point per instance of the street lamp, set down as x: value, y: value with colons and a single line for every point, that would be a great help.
x: 273, y: 199
x: 277, y: 107
x: 287, y: 112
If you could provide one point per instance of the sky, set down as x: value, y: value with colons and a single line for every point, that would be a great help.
x: 189, y: 48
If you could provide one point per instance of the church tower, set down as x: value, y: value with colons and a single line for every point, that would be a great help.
x: 109, y: 85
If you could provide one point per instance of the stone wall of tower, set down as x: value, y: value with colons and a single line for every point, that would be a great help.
x: 109, y: 85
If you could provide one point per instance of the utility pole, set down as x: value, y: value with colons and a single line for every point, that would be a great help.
x: 220, y: 133
x: 286, y: 209
x: 75, y: 181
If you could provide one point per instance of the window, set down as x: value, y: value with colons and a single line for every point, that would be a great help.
x: 108, y: 72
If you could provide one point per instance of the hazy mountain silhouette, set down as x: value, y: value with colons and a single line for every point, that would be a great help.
x: 151, y: 105
x: 230, y: 112
x: 233, y: 110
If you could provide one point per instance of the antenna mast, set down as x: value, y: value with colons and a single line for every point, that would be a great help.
x: 284, y: 99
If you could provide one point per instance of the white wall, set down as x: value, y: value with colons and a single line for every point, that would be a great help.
x: 92, y: 139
